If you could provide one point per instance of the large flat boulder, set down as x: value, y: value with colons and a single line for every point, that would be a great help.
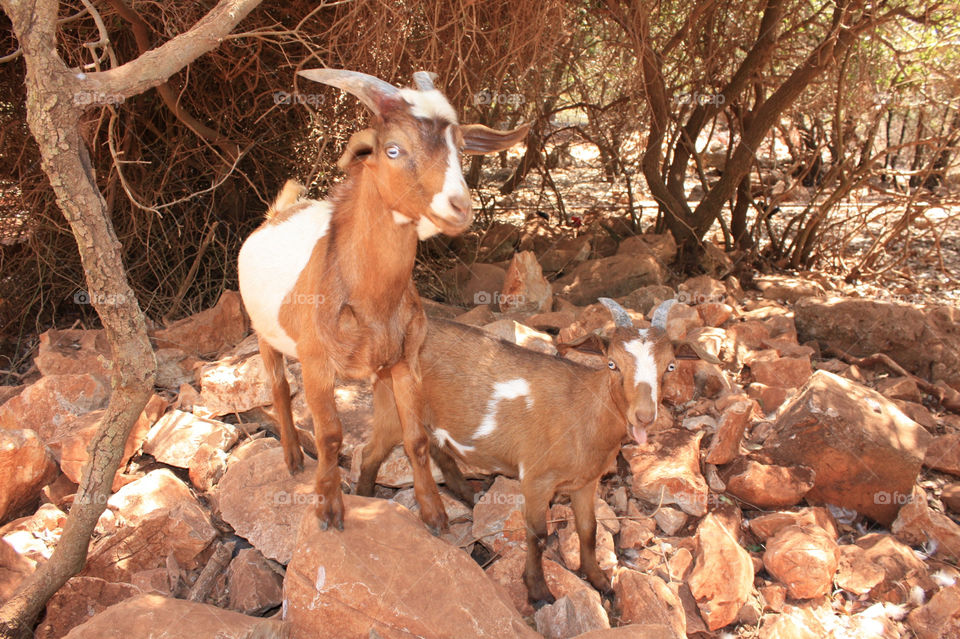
x: 924, y: 341
x: 864, y: 451
x: 385, y: 573
x: 613, y: 276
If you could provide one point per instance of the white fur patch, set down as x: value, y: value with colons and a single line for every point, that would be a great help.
x: 429, y: 104
x: 269, y: 264
x: 426, y: 228
x: 443, y: 438
x: 400, y: 218
x: 453, y: 184
x: 644, y: 367
x: 511, y: 389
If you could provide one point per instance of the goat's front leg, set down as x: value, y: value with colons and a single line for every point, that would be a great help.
x: 536, y: 500
x: 276, y: 371
x: 406, y: 389
x: 318, y: 386
x: 582, y: 502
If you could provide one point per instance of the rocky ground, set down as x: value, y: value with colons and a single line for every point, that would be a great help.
x: 802, y: 489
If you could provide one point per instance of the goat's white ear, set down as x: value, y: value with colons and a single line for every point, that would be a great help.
x: 358, y: 149
x: 479, y: 139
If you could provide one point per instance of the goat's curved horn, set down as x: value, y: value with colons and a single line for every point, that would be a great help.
x: 620, y: 316
x: 425, y: 80
x: 659, y: 319
x: 372, y: 91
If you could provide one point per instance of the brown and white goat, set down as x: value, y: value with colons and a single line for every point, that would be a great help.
x: 554, y: 424
x: 329, y: 282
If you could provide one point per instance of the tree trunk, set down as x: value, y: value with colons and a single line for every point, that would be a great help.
x: 55, y: 99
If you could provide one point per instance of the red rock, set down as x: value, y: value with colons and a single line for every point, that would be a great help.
x: 636, y: 533
x: 903, y: 388
x: 497, y: 515
x: 517, y: 333
x: 499, y: 241
x: 146, y: 521
x: 786, y: 372
x: 768, y: 486
x: 670, y: 520
x: 950, y: 496
x: 647, y: 600
x: 660, y: 245
x: 726, y: 442
x: 917, y: 524
x: 939, y: 618
x: 75, y: 437
x: 475, y: 284
x: 26, y: 466
x: 14, y: 568
x: 571, y: 616
x: 722, y: 577
x: 903, y: 570
x: 788, y: 289
x: 923, y: 340
x: 770, y: 398
x: 140, y: 617
x: 861, y: 447
x: 944, y: 454
x: 701, y: 289
x: 235, y: 385
x: 646, y: 298
x: 774, y: 596
x: 176, y: 367
x: 74, y: 352
x: 570, y: 543
x: 177, y: 436
x: 565, y: 253
x: 613, y: 276
x: 856, y: 573
x: 395, y: 471
x: 524, y: 287
x: 507, y: 572
x: 550, y: 321
x: 804, y: 559
x: 78, y: 601
x: 766, y: 526
x: 263, y: 502
x: 207, y: 467
x: 52, y: 401
x: 667, y: 471
x: 208, y: 332
x: 407, y: 583
x: 476, y: 316
x: 254, y: 583
x: 793, y: 623
x: 633, y: 631
x: 715, y: 313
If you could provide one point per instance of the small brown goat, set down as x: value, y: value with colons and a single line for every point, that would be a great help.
x: 329, y: 282
x: 554, y: 424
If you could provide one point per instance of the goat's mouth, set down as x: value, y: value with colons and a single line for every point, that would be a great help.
x: 450, y: 224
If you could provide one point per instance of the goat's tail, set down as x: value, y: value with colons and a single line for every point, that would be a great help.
x: 289, y: 194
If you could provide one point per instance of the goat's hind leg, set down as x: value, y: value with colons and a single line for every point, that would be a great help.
x: 408, y: 393
x: 318, y: 384
x: 387, y: 433
x: 536, y: 500
x: 276, y: 371
x: 452, y: 477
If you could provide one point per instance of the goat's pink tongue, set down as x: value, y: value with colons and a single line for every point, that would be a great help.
x: 639, y: 435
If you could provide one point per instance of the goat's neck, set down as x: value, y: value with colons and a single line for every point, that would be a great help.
x: 375, y: 254
x: 611, y: 404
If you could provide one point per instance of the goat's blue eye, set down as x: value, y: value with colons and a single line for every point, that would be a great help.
x: 611, y: 365
x: 671, y: 367
x: 393, y: 152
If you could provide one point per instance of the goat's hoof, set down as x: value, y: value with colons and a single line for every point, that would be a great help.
x: 294, y: 461
x: 330, y: 513
x: 601, y: 583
